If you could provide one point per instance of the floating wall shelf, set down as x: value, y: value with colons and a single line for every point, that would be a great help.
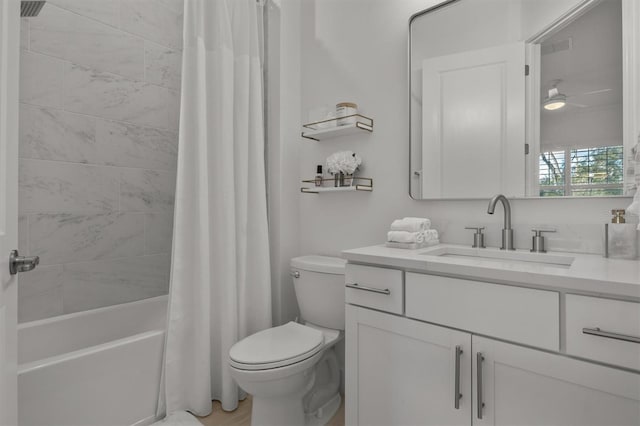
x: 358, y: 184
x: 328, y: 129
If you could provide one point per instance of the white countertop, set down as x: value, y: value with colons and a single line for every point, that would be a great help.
x: 588, y: 273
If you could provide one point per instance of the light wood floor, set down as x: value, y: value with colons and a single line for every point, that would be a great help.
x: 242, y: 415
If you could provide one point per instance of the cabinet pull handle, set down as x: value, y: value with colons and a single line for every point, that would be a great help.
x: 371, y: 289
x: 609, y: 335
x: 457, y: 395
x: 480, y: 402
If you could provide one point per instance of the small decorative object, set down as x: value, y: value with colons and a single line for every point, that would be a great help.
x: 338, y: 179
x: 318, y: 180
x: 345, y: 109
x: 343, y: 163
x: 621, y: 239
x: 328, y: 121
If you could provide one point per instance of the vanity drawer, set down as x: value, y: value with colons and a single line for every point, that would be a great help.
x: 618, y: 339
x: 377, y: 288
x: 517, y: 314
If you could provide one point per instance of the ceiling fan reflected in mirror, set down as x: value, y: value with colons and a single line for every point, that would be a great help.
x: 556, y: 100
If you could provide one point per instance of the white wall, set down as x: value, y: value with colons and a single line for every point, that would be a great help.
x: 356, y: 50
x: 582, y: 127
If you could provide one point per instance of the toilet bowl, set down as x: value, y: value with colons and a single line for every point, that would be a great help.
x: 292, y: 370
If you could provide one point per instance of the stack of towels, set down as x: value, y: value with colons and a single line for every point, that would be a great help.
x: 412, y: 232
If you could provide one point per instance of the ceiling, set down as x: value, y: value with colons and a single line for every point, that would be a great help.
x: 585, y: 59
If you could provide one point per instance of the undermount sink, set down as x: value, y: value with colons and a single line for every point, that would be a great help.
x: 516, y: 257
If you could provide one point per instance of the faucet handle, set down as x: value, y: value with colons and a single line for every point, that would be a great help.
x: 537, y: 241
x: 478, y: 236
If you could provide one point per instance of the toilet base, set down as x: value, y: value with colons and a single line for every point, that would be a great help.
x: 277, y: 412
x: 308, y: 398
x: 322, y: 416
x: 290, y: 412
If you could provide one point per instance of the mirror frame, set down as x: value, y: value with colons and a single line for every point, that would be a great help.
x: 631, y: 103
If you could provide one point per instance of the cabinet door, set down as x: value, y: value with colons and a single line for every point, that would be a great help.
x: 522, y: 386
x: 403, y: 372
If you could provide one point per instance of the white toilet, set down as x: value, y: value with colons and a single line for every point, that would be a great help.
x: 292, y: 370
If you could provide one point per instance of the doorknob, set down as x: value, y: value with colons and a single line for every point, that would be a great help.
x: 19, y: 263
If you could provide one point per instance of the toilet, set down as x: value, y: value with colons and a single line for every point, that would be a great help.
x: 292, y: 370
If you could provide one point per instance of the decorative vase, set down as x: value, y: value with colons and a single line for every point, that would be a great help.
x: 341, y: 179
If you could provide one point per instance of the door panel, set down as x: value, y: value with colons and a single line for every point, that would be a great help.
x: 9, y: 60
x: 402, y: 372
x: 522, y: 386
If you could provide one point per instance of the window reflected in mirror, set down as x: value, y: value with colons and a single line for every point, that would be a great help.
x: 582, y: 172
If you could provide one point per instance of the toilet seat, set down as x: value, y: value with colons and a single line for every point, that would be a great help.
x: 276, y: 347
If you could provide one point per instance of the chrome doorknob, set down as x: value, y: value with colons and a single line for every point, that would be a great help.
x: 19, y: 263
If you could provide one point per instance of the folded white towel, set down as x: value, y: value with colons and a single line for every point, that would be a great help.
x: 405, y: 237
x: 431, y: 235
x: 411, y: 224
x: 418, y: 219
x: 401, y: 225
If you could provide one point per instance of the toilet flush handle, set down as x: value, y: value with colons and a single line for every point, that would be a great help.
x: 295, y: 274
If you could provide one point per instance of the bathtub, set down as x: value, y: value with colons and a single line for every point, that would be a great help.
x: 94, y: 368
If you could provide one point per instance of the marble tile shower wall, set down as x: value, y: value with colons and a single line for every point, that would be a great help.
x: 100, y: 84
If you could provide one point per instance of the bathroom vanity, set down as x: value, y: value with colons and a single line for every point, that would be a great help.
x: 459, y: 336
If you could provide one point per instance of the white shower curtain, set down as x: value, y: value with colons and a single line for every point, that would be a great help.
x: 220, y: 279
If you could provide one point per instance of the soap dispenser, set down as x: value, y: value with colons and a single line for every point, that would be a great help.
x: 621, y: 238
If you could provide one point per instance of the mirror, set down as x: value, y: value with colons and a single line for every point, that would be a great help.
x: 528, y: 98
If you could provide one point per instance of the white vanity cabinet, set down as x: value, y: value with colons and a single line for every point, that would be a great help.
x: 459, y: 337
x: 523, y: 386
x: 603, y: 329
x: 403, y: 372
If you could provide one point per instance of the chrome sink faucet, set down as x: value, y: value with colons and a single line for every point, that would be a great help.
x: 507, y: 232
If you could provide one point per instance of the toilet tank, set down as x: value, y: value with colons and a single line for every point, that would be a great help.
x: 319, y: 287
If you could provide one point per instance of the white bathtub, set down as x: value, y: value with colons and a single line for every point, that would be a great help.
x: 95, y: 368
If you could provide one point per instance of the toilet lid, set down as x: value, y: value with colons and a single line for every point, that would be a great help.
x: 277, y: 344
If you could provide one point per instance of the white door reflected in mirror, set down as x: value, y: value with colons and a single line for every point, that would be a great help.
x: 473, y: 123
